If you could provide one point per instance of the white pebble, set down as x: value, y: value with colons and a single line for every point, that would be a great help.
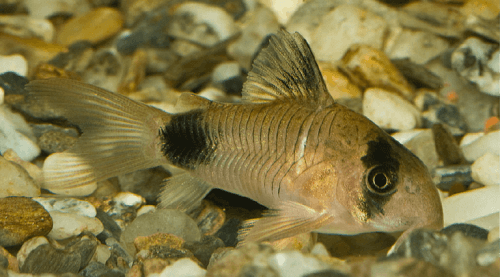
x: 67, y: 205
x: 217, y: 18
x: 16, y: 134
x: 15, y: 180
x: 470, y: 138
x: 484, y: 144
x: 406, y: 136
x: 486, y: 170
x: 225, y: 71
x: 344, y: 26
x: 184, y: 267
x: 146, y: 209
x: 2, y: 94
x: 29, y: 246
x: 471, y: 205
x: 14, y: 63
x: 128, y: 199
x: 294, y: 264
x: 390, y: 111
x: 320, y: 250
x: 67, y: 225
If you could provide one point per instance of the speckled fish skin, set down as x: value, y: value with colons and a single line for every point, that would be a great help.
x: 289, y: 146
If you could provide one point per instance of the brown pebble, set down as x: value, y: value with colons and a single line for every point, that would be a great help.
x: 158, y: 239
x: 13, y: 263
x: 46, y: 71
x: 447, y: 148
x: 456, y: 188
x: 135, y: 74
x: 20, y: 219
x: 209, y: 218
x: 369, y: 67
x: 95, y: 26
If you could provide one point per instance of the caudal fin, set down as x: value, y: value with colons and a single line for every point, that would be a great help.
x: 119, y: 135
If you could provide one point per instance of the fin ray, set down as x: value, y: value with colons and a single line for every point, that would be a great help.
x: 119, y: 135
x: 289, y: 219
x: 183, y: 192
x: 286, y: 70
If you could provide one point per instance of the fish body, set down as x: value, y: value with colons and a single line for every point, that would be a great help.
x: 318, y: 165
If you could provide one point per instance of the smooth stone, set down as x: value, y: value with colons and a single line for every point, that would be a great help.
x: 146, y: 209
x: 54, y: 141
x: 150, y: 32
x: 408, y: 267
x: 34, y: 50
x: 248, y: 260
x: 208, y: 217
x: 8, y: 261
x: 27, y: 27
x: 16, y: 181
x: 446, y: 114
x: 446, y: 146
x: 337, y: 83
x: 417, y: 74
x: 283, y: 9
x: 183, y: 268
x: 2, y: 95
x: 494, y: 62
x: 128, y: 199
x: 228, y: 233
x: 203, y: 249
x: 488, y: 254
x: 145, y: 183
x: 474, y: 107
x: 160, y: 221
x: 446, y: 177
x: 486, y: 170
x: 14, y: 63
x: 488, y: 222
x: 158, y: 239
x: 295, y: 264
x: 20, y: 219
x: 482, y: 8
x: 469, y: 59
x: 111, y: 228
x: 49, y: 258
x: 76, y: 59
x: 259, y: 24
x: 206, y: 20
x: 470, y: 205
x: 95, y: 26
x: 468, y: 230
x: 410, y: 44
x: 16, y: 134
x: 67, y: 225
x: 29, y: 246
x: 228, y: 77
x: 370, y: 67
x: 48, y: 8
x: 105, y: 69
x: 67, y: 205
x: 319, y: 249
x: 135, y: 72
x: 96, y: 269
x: 344, y: 26
x: 308, y: 16
x: 302, y: 242
x: 484, y: 144
x: 390, y: 111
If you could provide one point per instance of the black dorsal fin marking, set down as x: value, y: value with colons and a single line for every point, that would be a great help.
x: 286, y: 70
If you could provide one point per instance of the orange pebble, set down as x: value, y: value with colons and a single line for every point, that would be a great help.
x: 490, y: 124
x: 452, y: 96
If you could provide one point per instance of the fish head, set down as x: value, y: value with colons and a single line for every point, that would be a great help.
x: 389, y: 189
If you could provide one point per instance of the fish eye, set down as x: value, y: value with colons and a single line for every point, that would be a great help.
x: 381, y: 179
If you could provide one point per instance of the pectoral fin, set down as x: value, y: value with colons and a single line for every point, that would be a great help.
x: 290, y: 219
x: 183, y: 192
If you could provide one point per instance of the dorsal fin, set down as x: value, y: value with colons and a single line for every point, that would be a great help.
x: 286, y: 70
